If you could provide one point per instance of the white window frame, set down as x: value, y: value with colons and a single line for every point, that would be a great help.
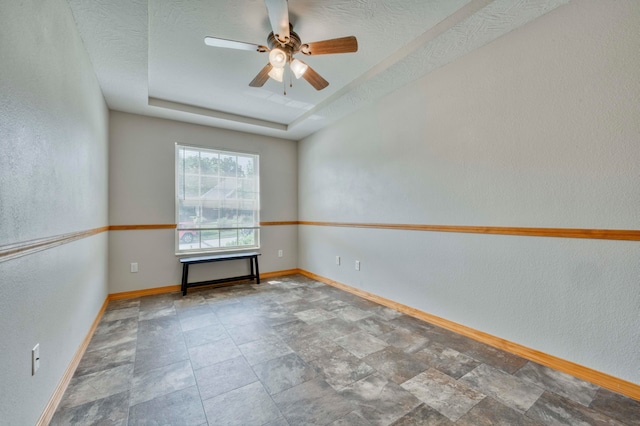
x: 200, y: 229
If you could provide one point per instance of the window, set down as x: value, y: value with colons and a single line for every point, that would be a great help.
x: 217, y: 200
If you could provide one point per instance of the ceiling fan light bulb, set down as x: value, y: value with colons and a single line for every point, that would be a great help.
x: 298, y: 68
x: 277, y: 58
x: 276, y: 74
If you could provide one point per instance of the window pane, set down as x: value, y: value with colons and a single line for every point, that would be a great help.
x: 217, y: 199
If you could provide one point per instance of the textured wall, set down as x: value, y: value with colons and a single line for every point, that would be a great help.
x: 142, y: 191
x: 537, y: 129
x: 53, y: 180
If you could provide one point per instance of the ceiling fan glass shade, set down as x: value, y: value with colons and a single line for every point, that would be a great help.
x: 298, y: 68
x: 277, y: 58
x: 276, y: 74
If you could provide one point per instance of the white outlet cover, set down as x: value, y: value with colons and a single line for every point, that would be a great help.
x: 134, y: 267
x: 357, y: 265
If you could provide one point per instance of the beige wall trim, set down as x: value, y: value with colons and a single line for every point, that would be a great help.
x: 598, y: 234
x: 54, y: 401
x: 615, y: 384
x: 12, y: 251
x: 286, y: 222
x: 142, y: 227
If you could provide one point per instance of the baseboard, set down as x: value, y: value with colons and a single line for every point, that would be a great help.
x: 172, y: 288
x: 54, y: 401
x: 144, y: 292
x: 604, y: 380
x: 267, y: 275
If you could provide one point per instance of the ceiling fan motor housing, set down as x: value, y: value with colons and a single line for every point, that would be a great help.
x: 291, y: 47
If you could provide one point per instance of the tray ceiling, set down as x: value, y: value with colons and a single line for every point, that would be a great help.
x: 150, y: 58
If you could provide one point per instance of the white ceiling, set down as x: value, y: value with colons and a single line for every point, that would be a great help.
x: 150, y: 58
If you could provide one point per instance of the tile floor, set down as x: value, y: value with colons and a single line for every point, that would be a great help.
x: 293, y: 351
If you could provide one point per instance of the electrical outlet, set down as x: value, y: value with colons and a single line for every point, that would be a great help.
x: 134, y: 267
x: 337, y: 260
x: 35, y: 359
x: 357, y: 265
x: 280, y: 254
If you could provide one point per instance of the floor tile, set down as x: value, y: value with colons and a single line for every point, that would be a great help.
x: 151, y: 384
x: 351, y: 419
x: 552, y: 409
x: 104, y: 359
x: 341, y: 368
x: 204, y: 335
x: 490, y: 412
x: 117, y: 326
x: 213, y: 353
x: 379, y: 400
x: 224, y: 376
x: 512, y: 391
x: 282, y: 373
x: 231, y: 408
x: 103, y: 341
x: 617, y: 406
x: 374, y: 325
x: 312, y: 403
x: 407, y: 341
x: 119, y: 314
x: 112, y: 410
x: 351, y: 313
x: 263, y: 350
x: 449, y: 397
x: 486, y: 354
x: 94, y: 386
x: 385, y: 313
x: 122, y: 304
x: 278, y: 422
x: 157, y: 313
x: 361, y: 344
x: 330, y: 304
x: 395, y: 364
x: 295, y: 330
x: 447, y: 360
x: 423, y: 415
x: 410, y: 324
x: 560, y: 383
x: 250, y: 332
x: 159, y: 356
x: 198, y: 321
x: 312, y: 316
x: 182, y: 407
x: 335, y: 328
x: 313, y: 347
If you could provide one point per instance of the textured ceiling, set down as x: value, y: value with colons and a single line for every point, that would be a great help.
x: 150, y: 57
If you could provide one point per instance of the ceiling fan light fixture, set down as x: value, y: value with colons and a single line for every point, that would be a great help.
x: 298, y: 68
x: 277, y: 58
x: 277, y: 74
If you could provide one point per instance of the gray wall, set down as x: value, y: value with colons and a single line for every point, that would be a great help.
x: 53, y: 181
x: 537, y: 129
x: 142, y: 191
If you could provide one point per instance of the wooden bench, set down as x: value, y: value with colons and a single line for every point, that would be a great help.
x: 251, y: 256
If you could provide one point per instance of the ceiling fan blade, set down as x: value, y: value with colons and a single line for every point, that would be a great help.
x: 315, y: 79
x: 278, y: 11
x: 336, y: 45
x: 262, y: 77
x: 231, y: 44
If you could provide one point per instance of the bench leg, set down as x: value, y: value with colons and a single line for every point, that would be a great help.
x: 185, y: 274
x: 255, y: 258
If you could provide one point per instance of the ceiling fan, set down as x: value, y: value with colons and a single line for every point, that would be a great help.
x: 282, y: 44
